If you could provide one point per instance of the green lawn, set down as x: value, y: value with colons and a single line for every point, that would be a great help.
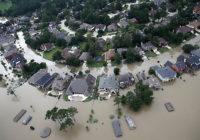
x: 150, y: 54
x: 62, y: 30
x: 96, y: 64
x: 5, y: 5
x: 49, y: 55
x: 163, y: 49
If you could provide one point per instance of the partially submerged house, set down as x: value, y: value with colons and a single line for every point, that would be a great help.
x: 6, y: 40
x: 107, y: 86
x: 17, y: 60
x: 10, y: 51
x: 181, y: 58
x: 81, y: 86
x: 148, y: 46
x: 122, y: 24
x: 121, y: 50
x: 165, y: 74
x: 196, y: 52
x: 152, y: 82
x: 100, y: 27
x: 126, y: 80
x: 179, y: 67
x: 141, y: 76
x: 100, y: 44
x: 162, y: 42
x: 60, y: 83
x: 193, y: 62
x: 112, y: 28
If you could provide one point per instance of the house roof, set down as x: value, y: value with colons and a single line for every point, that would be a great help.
x: 46, y: 46
x: 126, y: 77
x: 10, y: 51
x: 16, y: 60
x: 84, y: 56
x: 196, y: 52
x: 100, y: 43
x: 112, y: 27
x: 37, y: 76
x: 169, y: 64
x: 194, y: 24
x: 184, y: 29
x: 45, y: 81
x: 109, y: 54
x: 165, y: 72
x: 59, y: 82
x: 67, y: 52
x: 180, y: 65
x: 148, y: 46
x: 123, y: 24
x: 120, y: 50
x: 85, y: 86
x: 158, y: 2
x: 107, y: 83
x: 181, y: 58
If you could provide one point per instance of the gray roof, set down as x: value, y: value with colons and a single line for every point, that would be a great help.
x: 10, y: 51
x: 128, y: 77
x: 196, y: 52
x: 112, y: 27
x: 117, y: 129
x: 148, y: 46
x: 82, y: 86
x: 60, y: 83
x: 37, y: 76
x: 123, y: 24
x: 84, y: 56
x: 108, y: 83
x: 164, y: 72
x: 120, y: 50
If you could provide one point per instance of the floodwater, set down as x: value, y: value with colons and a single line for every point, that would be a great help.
x: 153, y: 122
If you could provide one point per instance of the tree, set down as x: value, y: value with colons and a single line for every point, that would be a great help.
x: 116, y: 71
x: 65, y: 117
x: 117, y: 58
x: 57, y: 55
x: 11, y: 91
x: 151, y: 71
x: 187, y: 48
x: 133, y: 102
x: 73, y: 61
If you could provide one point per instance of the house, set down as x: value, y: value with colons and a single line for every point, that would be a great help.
x: 165, y: 74
x: 125, y: 80
x: 139, y: 51
x: 122, y: 24
x: 109, y: 54
x: 97, y: 58
x: 82, y: 86
x: 34, y: 34
x: 133, y: 20
x: 162, y: 42
x: 168, y: 63
x: 86, y: 27
x: 17, y: 59
x: 100, y: 44
x: 6, y: 40
x: 112, y: 42
x: 193, y: 62
x: 196, y: 52
x: 152, y: 82
x: 181, y: 58
x: 107, y: 86
x: 121, y: 50
x: 158, y: 2
x: 47, y: 47
x: 169, y: 6
x: 68, y: 52
x: 84, y: 56
x: 112, y: 28
x: 10, y: 51
x: 101, y: 27
x: 60, y: 83
x: 184, y: 30
x: 194, y: 25
x: 141, y: 76
x: 37, y: 76
x: 45, y: 82
x: 148, y: 46
x: 179, y: 67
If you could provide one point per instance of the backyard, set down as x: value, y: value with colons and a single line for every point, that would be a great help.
x: 5, y: 5
x: 49, y: 55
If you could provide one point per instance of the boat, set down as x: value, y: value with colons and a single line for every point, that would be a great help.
x: 19, y: 115
x: 130, y: 122
x: 27, y: 119
x: 169, y: 107
x: 116, y: 128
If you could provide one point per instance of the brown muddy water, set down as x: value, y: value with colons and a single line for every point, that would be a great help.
x: 153, y: 122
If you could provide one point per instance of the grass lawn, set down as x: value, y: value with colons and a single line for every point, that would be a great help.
x: 173, y: 45
x: 191, y: 36
x: 163, y: 49
x: 65, y: 97
x: 49, y: 55
x: 5, y: 5
x: 82, y: 46
x: 150, y: 54
x: 62, y: 30
x: 96, y: 64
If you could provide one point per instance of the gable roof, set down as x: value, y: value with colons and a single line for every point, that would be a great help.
x: 196, y: 52
x: 108, y: 83
x: 109, y: 54
x: 16, y: 60
x: 84, y: 56
x: 181, y: 58
x: 37, y: 76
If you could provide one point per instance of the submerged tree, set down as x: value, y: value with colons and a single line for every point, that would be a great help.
x: 11, y: 91
x: 65, y: 117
